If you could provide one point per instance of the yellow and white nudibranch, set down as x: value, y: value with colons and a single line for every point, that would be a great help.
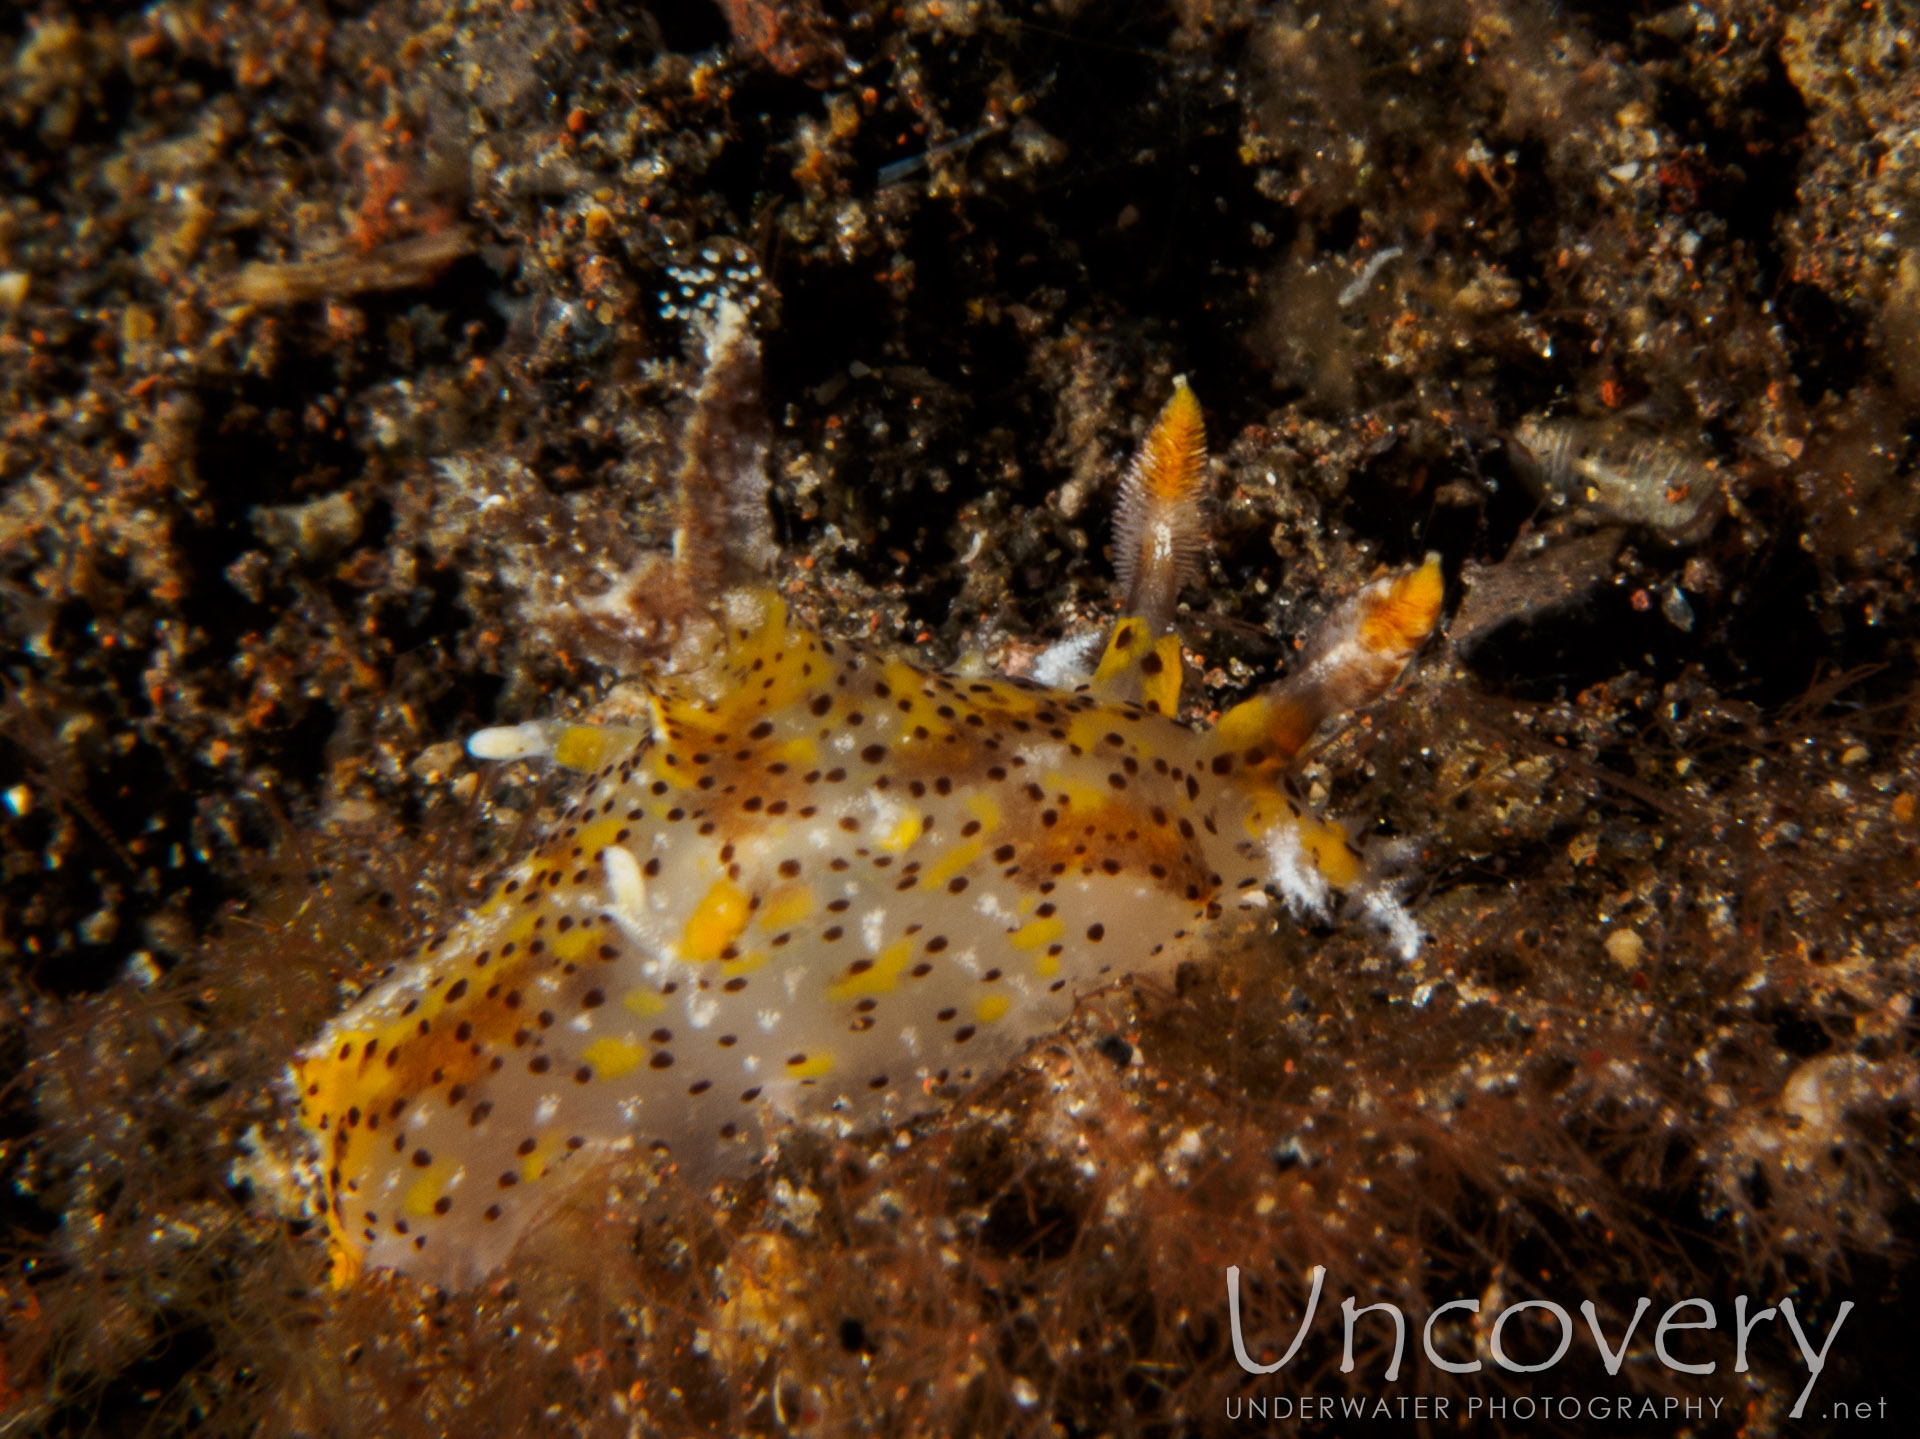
x: 822, y: 879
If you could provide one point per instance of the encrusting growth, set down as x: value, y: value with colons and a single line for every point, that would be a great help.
x: 822, y: 880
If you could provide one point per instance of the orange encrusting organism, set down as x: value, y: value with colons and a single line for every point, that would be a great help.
x: 821, y: 882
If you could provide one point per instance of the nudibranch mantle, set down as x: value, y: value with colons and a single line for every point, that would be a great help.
x: 820, y: 882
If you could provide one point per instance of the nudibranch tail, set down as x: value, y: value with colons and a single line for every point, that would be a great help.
x: 1159, y: 526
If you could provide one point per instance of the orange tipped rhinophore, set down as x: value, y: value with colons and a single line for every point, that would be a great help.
x: 1352, y: 659
x: 1159, y: 530
x: 1397, y: 613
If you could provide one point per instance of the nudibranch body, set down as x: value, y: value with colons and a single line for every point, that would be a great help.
x: 821, y: 882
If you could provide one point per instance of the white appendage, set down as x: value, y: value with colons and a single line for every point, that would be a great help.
x: 1294, y: 873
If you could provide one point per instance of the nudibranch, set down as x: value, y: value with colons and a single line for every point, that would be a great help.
x: 820, y: 881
